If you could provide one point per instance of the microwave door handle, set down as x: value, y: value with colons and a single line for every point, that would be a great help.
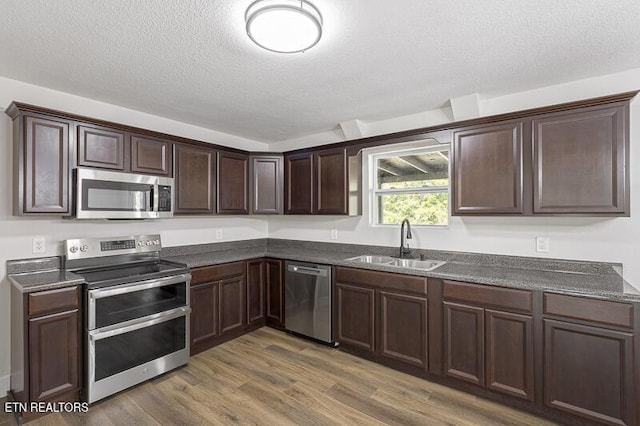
x: 155, y: 195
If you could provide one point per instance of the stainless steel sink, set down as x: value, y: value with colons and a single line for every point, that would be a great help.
x: 425, y: 265
x: 370, y: 258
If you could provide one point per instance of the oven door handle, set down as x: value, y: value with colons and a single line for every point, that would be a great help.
x: 137, y: 324
x: 144, y: 285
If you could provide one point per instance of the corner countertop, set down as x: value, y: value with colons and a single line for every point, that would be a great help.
x: 579, y: 278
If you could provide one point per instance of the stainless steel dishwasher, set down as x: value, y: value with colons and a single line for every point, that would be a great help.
x: 308, y: 300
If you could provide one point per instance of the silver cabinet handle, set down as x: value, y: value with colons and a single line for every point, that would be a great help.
x: 145, y: 285
x: 136, y: 324
x: 308, y: 271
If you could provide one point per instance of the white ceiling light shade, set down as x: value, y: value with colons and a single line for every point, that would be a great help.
x: 284, y: 26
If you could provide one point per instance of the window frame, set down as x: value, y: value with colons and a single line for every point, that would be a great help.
x: 375, y: 193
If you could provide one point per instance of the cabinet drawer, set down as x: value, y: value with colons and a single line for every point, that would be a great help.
x: 217, y: 272
x: 51, y: 301
x: 405, y: 283
x: 601, y: 311
x: 506, y: 298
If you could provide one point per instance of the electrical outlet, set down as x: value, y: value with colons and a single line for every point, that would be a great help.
x: 334, y: 234
x: 38, y: 245
x: 218, y: 234
x: 542, y: 244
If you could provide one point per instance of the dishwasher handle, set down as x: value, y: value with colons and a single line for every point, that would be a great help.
x: 308, y: 271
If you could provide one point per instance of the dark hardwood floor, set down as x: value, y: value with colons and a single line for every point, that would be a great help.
x: 270, y: 378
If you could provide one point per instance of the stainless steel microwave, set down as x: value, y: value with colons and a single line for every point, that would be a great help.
x: 102, y: 194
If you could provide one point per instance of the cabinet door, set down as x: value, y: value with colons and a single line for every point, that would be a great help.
x: 45, y: 188
x: 579, y: 161
x: 204, y: 314
x: 275, y: 292
x: 54, y: 355
x: 255, y: 291
x: 356, y: 317
x: 232, y: 304
x: 464, y: 342
x: 194, y: 174
x: 331, y: 182
x: 509, y: 353
x: 233, y: 183
x: 151, y: 156
x: 487, y: 169
x: 403, y: 325
x: 588, y: 371
x: 266, y: 185
x: 101, y: 147
x: 298, y: 183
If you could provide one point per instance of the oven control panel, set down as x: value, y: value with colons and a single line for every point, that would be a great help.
x: 98, y: 247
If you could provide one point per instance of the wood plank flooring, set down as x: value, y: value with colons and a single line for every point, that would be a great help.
x: 270, y: 378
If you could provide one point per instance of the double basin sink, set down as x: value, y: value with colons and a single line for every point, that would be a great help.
x: 422, y: 264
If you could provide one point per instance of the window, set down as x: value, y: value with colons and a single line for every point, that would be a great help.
x: 412, y: 184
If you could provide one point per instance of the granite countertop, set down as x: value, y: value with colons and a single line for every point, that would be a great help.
x: 588, y: 279
x: 28, y: 282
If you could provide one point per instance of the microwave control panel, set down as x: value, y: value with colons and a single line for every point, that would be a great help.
x: 164, y: 198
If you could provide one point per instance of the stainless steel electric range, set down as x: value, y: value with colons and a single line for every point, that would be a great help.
x: 136, y: 311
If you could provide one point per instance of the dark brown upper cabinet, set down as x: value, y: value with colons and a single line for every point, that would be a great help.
x: 299, y: 184
x: 488, y: 165
x: 232, y: 183
x: 319, y: 182
x: 101, y: 147
x: 42, y: 152
x: 574, y: 161
x: 194, y: 179
x: 267, y: 191
x: 580, y: 161
x: 151, y: 156
x: 331, y: 182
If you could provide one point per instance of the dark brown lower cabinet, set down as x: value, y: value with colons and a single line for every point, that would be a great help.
x: 54, y: 355
x: 46, y: 352
x: 356, y: 317
x: 464, y: 342
x: 403, y: 325
x: 218, y: 304
x: 255, y: 291
x: 232, y: 304
x: 489, y: 348
x: 274, y: 287
x: 204, y: 313
x: 588, y: 371
x: 509, y: 353
x: 383, y: 316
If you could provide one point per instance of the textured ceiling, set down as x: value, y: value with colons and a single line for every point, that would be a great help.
x: 191, y: 60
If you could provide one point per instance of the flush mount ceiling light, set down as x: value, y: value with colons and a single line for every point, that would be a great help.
x: 284, y: 26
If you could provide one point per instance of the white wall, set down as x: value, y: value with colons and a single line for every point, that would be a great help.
x: 598, y: 239
x: 16, y: 232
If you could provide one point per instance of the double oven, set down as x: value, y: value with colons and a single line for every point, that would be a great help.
x: 136, y: 311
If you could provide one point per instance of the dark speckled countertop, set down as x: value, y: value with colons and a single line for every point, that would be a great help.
x: 581, y: 278
x: 589, y: 279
